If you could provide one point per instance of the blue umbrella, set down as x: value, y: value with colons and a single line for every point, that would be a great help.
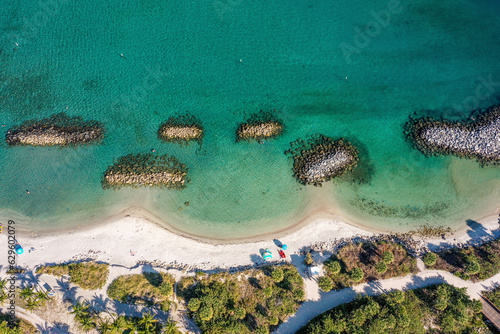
x: 284, y: 247
x: 19, y: 249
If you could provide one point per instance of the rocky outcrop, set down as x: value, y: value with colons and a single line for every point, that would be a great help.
x: 181, y: 129
x: 56, y: 130
x: 320, y: 159
x: 145, y: 170
x: 477, y: 139
x: 263, y: 125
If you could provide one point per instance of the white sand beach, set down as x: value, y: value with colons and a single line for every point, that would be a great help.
x: 129, y: 240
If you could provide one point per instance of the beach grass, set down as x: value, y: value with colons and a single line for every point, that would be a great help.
x: 88, y: 275
x: 475, y: 263
x: 150, y: 288
x: 252, y: 301
x: 364, y: 262
x: 21, y: 326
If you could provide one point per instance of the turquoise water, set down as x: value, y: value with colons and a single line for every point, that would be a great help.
x: 222, y: 61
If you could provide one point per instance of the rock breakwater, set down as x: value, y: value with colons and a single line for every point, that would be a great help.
x: 263, y: 125
x: 478, y: 138
x: 145, y: 170
x: 56, y: 130
x: 181, y: 129
x: 320, y: 159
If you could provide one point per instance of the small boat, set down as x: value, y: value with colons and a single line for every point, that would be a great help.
x: 282, y: 254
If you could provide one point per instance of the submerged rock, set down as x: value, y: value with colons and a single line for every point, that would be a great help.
x: 145, y: 170
x: 56, y: 130
x: 181, y: 129
x: 320, y: 159
x: 260, y: 126
x: 477, y: 139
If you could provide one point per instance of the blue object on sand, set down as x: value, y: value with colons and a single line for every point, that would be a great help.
x: 284, y: 247
x: 267, y: 255
x: 19, y: 249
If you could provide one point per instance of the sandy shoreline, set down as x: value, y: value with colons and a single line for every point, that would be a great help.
x: 131, y: 239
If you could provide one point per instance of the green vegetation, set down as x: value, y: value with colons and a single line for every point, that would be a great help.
x: 435, y: 309
x: 89, y: 319
x: 367, y: 262
x: 21, y: 326
x: 429, y: 259
x: 250, y: 301
x: 88, y: 275
x: 308, y: 260
x: 325, y: 283
x: 32, y: 299
x: 152, y: 289
x: 474, y: 262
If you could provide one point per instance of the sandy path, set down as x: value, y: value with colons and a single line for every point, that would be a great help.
x: 328, y: 300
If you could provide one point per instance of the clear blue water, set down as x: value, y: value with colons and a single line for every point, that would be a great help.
x: 222, y: 61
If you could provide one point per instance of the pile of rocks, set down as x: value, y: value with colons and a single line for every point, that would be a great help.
x: 181, y: 129
x: 477, y: 139
x: 262, y: 125
x: 321, y: 158
x: 146, y: 170
x: 57, y: 130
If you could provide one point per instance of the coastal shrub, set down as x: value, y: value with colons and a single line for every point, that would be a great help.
x: 457, y: 260
x: 166, y: 289
x: 473, y: 267
x: 388, y: 257
x: 357, y: 274
x: 429, y: 259
x: 194, y: 304
x: 245, y: 301
x: 325, y: 283
x: 381, y: 267
x: 146, y: 288
x: 277, y: 275
x: 89, y: 275
x: 367, y: 257
x: 332, y: 267
x: 308, y: 260
x: 397, y: 296
x: 261, y: 330
x: 239, y: 313
x: 415, y: 314
x: 205, y: 313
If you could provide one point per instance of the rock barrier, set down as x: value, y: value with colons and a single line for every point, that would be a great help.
x: 145, y: 170
x: 56, y: 130
x: 477, y: 138
x: 181, y: 129
x: 259, y: 126
x: 320, y: 159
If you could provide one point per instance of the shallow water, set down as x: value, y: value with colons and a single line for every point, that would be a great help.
x: 223, y: 61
